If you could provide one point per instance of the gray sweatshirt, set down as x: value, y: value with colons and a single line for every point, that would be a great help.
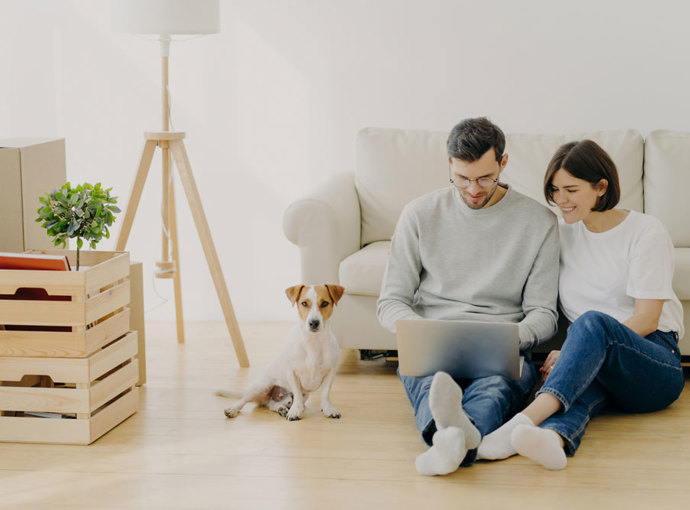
x: 449, y: 261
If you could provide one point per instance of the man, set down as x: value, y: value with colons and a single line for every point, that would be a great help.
x: 477, y: 250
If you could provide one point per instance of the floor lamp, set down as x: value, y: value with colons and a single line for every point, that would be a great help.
x: 165, y: 18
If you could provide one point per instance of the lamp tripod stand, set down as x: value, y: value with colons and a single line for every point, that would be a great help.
x: 172, y: 142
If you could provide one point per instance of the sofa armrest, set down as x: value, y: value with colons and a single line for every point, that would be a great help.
x: 326, y: 227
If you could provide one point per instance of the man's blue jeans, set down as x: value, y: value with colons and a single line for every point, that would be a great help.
x: 603, y: 361
x: 487, y: 401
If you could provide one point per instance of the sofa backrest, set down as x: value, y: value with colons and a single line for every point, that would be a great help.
x: 666, y: 181
x: 394, y: 166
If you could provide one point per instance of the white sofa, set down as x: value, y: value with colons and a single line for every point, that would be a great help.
x: 343, y: 229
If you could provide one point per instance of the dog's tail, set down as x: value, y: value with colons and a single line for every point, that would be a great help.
x: 229, y: 394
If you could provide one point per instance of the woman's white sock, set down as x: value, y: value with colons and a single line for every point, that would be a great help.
x: 445, y: 455
x: 540, y: 445
x: 497, y: 445
x: 445, y: 402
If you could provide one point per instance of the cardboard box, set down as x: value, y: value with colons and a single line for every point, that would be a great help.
x: 28, y: 169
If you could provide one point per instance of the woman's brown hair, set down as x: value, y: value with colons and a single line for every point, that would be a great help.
x: 585, y: 160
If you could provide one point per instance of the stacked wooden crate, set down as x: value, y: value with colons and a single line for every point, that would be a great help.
x: 68, y: 367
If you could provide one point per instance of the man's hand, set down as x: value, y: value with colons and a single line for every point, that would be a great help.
x: 548, y: 364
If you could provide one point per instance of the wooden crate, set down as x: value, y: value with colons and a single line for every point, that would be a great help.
x: 63, y: 400
x: 65, y: 314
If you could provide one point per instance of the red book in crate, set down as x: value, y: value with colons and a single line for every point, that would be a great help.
x: 34, y: 261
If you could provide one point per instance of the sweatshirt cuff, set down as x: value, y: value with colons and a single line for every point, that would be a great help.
x: 527, y: 338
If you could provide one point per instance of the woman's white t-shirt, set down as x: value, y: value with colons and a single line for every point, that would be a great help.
x: 607, y: 271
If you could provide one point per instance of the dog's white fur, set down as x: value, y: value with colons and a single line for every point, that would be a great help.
x: 308, y: 361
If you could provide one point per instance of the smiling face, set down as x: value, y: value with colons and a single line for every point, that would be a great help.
x: 465, y: 176
x: 575, y: 197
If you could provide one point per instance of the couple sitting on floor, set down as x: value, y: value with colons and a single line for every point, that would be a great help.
x: 481, y: 249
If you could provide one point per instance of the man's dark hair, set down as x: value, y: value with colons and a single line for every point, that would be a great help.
x: 585, y: 160
x: 470, y: 139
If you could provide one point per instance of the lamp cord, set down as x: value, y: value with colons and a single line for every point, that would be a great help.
x: 155, y: 289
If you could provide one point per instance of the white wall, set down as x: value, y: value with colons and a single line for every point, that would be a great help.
x: 272, y: 104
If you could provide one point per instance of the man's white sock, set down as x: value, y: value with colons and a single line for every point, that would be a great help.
x: 445, y: 402
x: 445, y: 455
x: 540, y: 445
x: 497, y: 445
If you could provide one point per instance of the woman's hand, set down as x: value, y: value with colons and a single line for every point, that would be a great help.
x: 548, y: 364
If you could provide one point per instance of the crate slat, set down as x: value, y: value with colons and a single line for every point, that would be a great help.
x: 117, y: 382
x: 42, y: 313
x: 46, y: 400
x: 102, y: 274
x: 43, y: 430
x: 56, y: 283
x: 41, y: 343
x: 113, y: 355
x: 107, y: 331
x: 113, y: 414
x: 73, y: 370
x: 107, y: 302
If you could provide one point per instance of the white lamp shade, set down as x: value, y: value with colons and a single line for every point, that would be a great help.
x: 166, y: 17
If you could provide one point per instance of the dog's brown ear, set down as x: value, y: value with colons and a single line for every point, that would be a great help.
x: 293, y: 293
x: 336, y: 291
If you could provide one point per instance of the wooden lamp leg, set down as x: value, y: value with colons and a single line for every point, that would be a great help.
x: 165, y: 202
x: 177, y: 283
x: 135, y: 195
x: 189, y: 185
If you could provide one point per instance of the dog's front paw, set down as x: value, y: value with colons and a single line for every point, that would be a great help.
x: 295, y: 413
x: 330, y: 412
x: 231, y: 412
x: 282, y: 411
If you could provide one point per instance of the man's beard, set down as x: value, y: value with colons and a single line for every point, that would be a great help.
x: 479, y: 205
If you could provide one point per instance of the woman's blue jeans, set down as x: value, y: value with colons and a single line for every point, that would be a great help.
x: 605, y: 362
x: 487, y: 401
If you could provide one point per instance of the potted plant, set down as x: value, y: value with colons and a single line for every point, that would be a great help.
x: 84, y: 212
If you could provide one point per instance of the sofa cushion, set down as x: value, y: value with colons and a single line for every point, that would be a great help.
x: 362, y: 272
x: 529, y: 155
x: 395, y: 166
x: 666, y: 180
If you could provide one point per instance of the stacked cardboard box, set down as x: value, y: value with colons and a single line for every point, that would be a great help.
x: 29, y: 167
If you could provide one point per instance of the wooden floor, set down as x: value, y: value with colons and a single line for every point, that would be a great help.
x: 180, y: 452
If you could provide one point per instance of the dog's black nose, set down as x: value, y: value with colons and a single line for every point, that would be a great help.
x: 314, y: 324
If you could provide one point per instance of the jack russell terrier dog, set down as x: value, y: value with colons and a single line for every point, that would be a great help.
x: 308, y: 361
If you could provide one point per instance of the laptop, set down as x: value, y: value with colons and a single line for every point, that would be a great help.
x: 464, y: 349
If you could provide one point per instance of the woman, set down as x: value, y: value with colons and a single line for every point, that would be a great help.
x: 615, y: 288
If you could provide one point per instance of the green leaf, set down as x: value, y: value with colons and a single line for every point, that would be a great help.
x: 72, y: 228
x: 80, y: 243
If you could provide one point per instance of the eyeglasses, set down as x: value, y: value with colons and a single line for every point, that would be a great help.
x: 464, y: 182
